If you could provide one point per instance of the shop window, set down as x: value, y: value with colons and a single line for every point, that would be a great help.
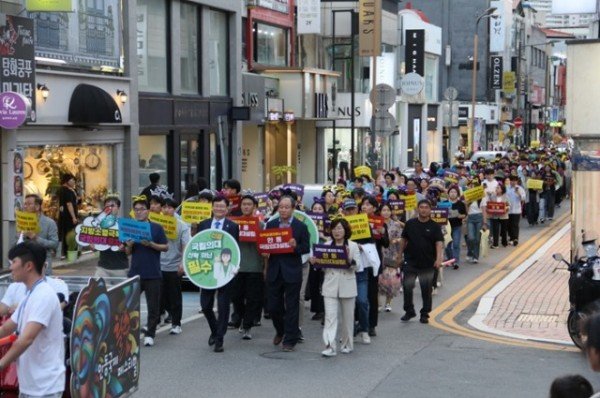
x: 217, y: 52
x: 189, y: 48
x: 270, y: 45
x: 152, y: 159
x: 152, y: 52
x: 90, y: 38
x: 90, y: 164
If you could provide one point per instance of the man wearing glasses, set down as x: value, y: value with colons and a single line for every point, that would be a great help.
x: 112, y: 264
x: 48, y: 234
x: 145, y: 262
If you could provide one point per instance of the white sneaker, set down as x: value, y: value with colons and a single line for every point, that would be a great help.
x: 434, y: 291
x: 148, y: 341
x: 388, y: 308
x: 365, y: 338
x: 329, y: 352
x: 175, y: 330
x: 475, y: 261
x: 346, y: 350
x: 469, y: 258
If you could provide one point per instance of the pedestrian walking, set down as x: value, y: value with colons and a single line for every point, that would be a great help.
x: 498, y: 221
x: 145, y: 263
x: 39, y: 349
x: 67, y: 218
x: 422, y: 246
x: 339, y: 292
x: 284, y: 276
x: 218, y: 326
x: 475, y: 224
x: 516, y: 198
x: 171, y: 266
x: 456, y: 216
x: 390, y: 280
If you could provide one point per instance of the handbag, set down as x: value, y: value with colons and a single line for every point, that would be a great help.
x: 484, y: 243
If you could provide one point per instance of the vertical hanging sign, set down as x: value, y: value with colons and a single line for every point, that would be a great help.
x: 369, y: 28
x: 309, y: 16
x: 414, y: 54
x: 497, y: 70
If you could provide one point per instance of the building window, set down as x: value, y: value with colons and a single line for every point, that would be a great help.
x: 189, y: 48
x: 217, y: 52
x: 152, y: 159
x: 89, y: 38
x: 270, y: 45
x: 152, y: 45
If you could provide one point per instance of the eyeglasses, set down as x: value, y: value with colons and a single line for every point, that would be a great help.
x: 138, y: 209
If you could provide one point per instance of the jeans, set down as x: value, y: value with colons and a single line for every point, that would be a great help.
x: 151, y: 288
x: 247, y: 297
x: 426, y: 283
x: 362, y: 299
x: 218, y: 327
x: 474, y: 225
x: 550, y: 197
x: 455, y: 244
x: 171, y: 298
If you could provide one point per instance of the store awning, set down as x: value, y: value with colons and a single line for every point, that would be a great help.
x: 92, y: 105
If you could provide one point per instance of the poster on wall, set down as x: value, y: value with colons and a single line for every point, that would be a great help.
x: 17, y: 58
x: 89, y: 37
x: 14, y: 191
x: 105, y: 340
x: 309, y: 16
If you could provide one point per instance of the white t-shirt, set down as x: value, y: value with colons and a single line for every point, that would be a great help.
x: 490, y: 186
x: 16, y: 291
x: 59, y: 286
x: 41, y: 368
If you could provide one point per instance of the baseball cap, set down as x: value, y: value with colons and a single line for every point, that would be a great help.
x: 349, y: 203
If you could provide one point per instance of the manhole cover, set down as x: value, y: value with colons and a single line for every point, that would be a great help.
x: 536, y: 318
x: 293, y: 356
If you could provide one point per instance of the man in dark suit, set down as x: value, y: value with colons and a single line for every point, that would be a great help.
x: 284, y: 276
x: 218, y: 327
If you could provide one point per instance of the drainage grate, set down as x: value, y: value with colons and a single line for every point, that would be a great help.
x: 536, y: 318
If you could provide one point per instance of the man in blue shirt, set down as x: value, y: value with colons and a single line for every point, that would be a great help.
x: 145, y: 262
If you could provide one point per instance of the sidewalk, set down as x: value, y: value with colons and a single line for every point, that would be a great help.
x: 532, y: 302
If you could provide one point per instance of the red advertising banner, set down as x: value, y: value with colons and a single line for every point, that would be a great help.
x: 249, y: 227
x: 496, y: 208
x: 275, y: 241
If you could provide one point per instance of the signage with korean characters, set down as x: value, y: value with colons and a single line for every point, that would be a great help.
x: 439, y: 216
x: 194, y: 212
x: 359, y: 224
x: 17, y: 61
x: 474, y: 194
x: 329, y: 256
x: 27, y: 222
x: 363, y: 171
x: 298, y: 189
x: 451, y: 177
x: 397, y: 207
x: 376, y: 223
x: 275, y: 241
x: 320, y: 220
x: 496, y: 208
x: 169, y: 224
x: 249, y: 227
x: 263, y: 201
x: 536, y: 185
x: 410, y: 201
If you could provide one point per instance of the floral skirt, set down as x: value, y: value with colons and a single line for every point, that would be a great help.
x: 390, y: 281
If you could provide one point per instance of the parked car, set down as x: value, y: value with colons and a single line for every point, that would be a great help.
x: 487, y: 155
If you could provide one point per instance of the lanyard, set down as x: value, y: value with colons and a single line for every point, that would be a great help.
x: 22, y: 307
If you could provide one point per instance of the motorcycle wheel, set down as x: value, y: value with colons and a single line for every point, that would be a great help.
x: 574, y: 323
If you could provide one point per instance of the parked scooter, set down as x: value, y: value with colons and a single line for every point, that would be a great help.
x: 584, y: 290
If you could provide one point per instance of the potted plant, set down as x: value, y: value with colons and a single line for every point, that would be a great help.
x: 72, y: 246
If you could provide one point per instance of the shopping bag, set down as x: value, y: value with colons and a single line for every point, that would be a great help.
x: 484, y: 244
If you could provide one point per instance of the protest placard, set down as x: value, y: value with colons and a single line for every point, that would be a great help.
x: 134, y: 230
x: 359, y: 223
x: 263, y: 201
x: 439, y: 216
x: 363, y: 171
x: 410, y: 201
x: 319, y: 219
x: 298, y: 189
x: 397, y: 207
x: 169, y: 223
x: 474, y: 194
x: 328, y: 256
x: 534, y: 184
x: 194, y: 212
x: 451, y: 177
x: 249, y: 227
x: 275, y: 241
x: 496, y: 208
x: 26, y: 221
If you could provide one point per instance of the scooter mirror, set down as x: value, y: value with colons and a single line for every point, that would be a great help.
x: 557, y: 257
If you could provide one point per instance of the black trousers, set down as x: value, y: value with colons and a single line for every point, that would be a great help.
x: 171, y: 299
x: 284, y: 307
x: 373, y: 293
x: 513, y: 226
x: 533, y: 212
x: 315, y: 281
x: 151, y: 288
x: 550, y: 196
x: 426, y: 283
x: 499, y: 230
x: 247, y: 297
x: 218, y: 327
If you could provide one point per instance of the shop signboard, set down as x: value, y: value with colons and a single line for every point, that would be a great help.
x: 17, y: 62
x: 211, y: 258
x: 309, y: 16
x: 369, y: 28
x: 49, y: 5
x: 105, y: 340
x: 14, y: 109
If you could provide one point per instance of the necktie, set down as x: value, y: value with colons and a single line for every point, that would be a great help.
x: 218, y: 224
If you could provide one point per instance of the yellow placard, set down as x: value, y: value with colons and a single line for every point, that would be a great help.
x: 474, y: 194
x: 169, y: 224
x: 363, y: 170
x: 27, y: 222
x: 410, y: 201
x: 508, y: 82
x: 194, y: 212
x: 359, y: 223
x: 534, y: 184
x: 534, y: 144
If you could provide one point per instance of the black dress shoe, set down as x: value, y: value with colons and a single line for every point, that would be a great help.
x: 219, y: 347
x: 233, y: 325
x: 211, y: 340
x: 277, y: 339
x: 408, y: 316
x: 424, y: 319
x: 372, y: 332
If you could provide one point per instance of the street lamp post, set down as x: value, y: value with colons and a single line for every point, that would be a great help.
x: 486, y: 14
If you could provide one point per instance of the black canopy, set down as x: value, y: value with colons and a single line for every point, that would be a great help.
x: 92, y: 105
